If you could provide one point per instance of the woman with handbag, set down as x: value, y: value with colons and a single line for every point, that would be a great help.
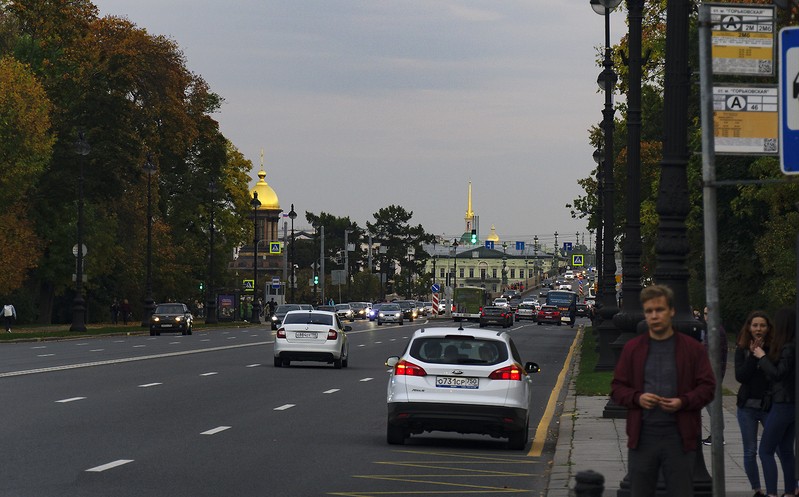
x: 779, y: 366
x: 752, y: 394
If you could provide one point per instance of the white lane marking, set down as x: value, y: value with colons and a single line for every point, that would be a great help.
x: 393, y: 340
x: 119, y: 341
x: 253, y: 335
x: 40, y: 347
x: 151, y: 338
x: 138, y: 346
x: 367, y: 379
x: 216, y: 430
x: 378, y: 342
x: 96, y: 350
x: 114, y: 464
x: 209, y: 374
x: 361, y: 345
x: 71, y: 399
x: 284, y: 407
x: 332, y: 390
x: 45, y: 355
x: 129, y: 359
x: 206, y: 340
x: 174, y: 343
x: 231, y: 338
x: 252, y: 365
x: 82, y: 343
x: 148, y: 385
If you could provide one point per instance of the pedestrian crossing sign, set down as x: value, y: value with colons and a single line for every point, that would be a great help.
x: 275, y: 248
x: 577, y: 260
x: 249, y: 285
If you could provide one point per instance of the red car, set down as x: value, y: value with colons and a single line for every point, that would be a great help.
x: 548, y: 314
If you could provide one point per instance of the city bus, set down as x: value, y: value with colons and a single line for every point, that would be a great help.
x: 562, y: 299
x: 467, y: 302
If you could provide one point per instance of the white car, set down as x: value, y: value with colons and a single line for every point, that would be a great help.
x: 345, y: 311
x: 312, y: 336
x: 465, y: 381
x: 501, y: 301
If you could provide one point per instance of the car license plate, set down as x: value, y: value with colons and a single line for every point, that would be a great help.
x: 456, y: 382
x: 305, y: 334
x: 166, y: 326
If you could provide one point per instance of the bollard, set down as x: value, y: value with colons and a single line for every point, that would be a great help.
x: 589, y: 484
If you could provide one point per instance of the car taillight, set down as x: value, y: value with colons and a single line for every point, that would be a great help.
x: 281, y: 333
x: 405, y: 368
x: 332, y: 334
x: 513, y: 373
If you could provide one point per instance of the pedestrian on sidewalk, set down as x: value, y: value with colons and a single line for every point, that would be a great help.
x: 722, y: 361
x: 664, y: 379
x: 779, y: 366
x: 751, y: 399
x: 115, y: 312
x: 9, y: 316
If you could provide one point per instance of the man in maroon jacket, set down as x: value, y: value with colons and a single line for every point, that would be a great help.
x: 664, y: 380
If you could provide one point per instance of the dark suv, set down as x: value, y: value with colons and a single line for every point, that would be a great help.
x: 171, y: 317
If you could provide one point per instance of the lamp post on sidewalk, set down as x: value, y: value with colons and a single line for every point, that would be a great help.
x: 82, y: 148
x: 293, y: 283
x: 149, y: 304
x: 256, y: 310
x: 210, y: 306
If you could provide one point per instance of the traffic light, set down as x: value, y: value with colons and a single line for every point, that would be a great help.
x: 315, y: 279
x: 201, y: 286
x: 474, y: 237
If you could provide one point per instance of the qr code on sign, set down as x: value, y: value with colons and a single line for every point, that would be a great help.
x: 764, y: 67
x: 770, y: 145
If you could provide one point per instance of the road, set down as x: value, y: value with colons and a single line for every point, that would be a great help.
x: 209, y: 415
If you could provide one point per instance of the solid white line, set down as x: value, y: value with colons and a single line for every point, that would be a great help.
x: 128, y: 359
x: 98, y: 469
x: 332, y: 390
x: 367, y: 379
x: 209, y: 374
x: 216, y: 430
x: 284, y: 407
x: 71, y: 399
x: 148, y: 385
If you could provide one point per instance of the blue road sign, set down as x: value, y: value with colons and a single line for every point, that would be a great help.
x: 520, y: 246
x: 567, y: 246
x: 435, y: 288
x: 789, y: 100
x: 489, y: 244
x: 275, y: 283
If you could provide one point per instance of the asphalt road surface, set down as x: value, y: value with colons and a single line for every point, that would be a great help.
x: 209, y: 415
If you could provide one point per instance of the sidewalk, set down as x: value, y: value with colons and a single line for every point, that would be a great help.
x: 587, y: 441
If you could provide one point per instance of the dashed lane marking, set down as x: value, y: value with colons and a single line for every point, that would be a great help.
x: 104, y: 467
x: 148, y: 385
x: 71, y: 399
x: 216, y: 430
x: 211, y: 373
x: 332, y: 390
x: 366, y: 379
x: 252, y: 365
x: 284, y: 407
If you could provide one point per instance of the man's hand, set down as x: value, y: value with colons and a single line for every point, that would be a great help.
x: 649, y: 400
x: 671, y: 405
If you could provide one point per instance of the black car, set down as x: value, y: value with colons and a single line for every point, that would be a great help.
x: 583, y: 310
x: 408, y: 307
x: 495, y: 314
x: 172, y: 317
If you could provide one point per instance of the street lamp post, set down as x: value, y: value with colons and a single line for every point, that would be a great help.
x: 504, y: 266
x: 210, y: 307
x: 82, y: 148
x: 598, y: 154
x: 455, y: 263
x: 149, y: 304
x: 256, y: 309
x: 293, y: 282
x: 607, y: 81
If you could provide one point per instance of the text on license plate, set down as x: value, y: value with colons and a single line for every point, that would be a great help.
x: 456, y: 382
x: 305, y: 334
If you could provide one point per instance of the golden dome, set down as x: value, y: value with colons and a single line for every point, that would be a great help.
x: 266, y: 194
x: 492, y: 237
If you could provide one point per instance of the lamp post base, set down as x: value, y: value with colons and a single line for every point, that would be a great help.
x: 149, y: 308
x: 210, y: 312
x: 78, y: 315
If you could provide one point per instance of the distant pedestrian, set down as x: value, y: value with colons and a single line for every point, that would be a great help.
x: 272, y: 306
x: 664, y: 379
x: 722, y: 361
x: 114, y: 312
x: 752, y: 394
x: 573, y: 312
x: 9, y: 316
x: 779, y: 366
x: 125, y: 309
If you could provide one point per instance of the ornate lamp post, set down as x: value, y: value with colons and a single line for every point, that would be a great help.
x: 535, y: 262
x: 149, y: 304
x: 256, y: 310
x: 598, y: 155
x: 82, y: 148
x: 293, y: 282
x: 210, y: 306
x: 607, y: 81
x: 455, y: 263
x: 504, y: 266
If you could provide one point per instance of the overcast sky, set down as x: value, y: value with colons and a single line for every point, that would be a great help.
x: 360, y: 104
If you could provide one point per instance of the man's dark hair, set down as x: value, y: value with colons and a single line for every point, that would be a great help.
x: 656, y: 291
